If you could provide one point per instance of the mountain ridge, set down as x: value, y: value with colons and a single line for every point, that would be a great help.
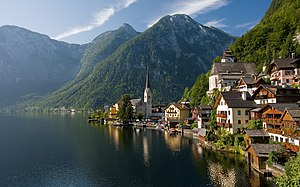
x: 176, y: 51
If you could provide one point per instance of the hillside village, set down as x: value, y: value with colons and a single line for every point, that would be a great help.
x: 254, y: 114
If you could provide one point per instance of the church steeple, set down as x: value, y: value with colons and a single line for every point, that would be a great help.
x: 147, y: 79
x: 147, y: 97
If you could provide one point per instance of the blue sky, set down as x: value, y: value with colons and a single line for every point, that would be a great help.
x: 81, y: 21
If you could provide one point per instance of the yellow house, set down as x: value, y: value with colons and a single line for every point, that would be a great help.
x: 176, y: 113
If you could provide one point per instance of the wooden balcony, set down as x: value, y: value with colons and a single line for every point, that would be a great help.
x: 291, y: 132
x: 275, y: 131
x: 226, y: 125
x: 222, y: 116
x: 272, y: 121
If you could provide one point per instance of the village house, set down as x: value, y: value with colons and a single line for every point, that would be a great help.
x: 255, y: 136
x: 158, y: 112
x: 258, y: 154
x: 201, y: 115
x: 290, y: 121
x: 233, y: 110
x: 176, y: 113
x: 282, y: 71
x: 296, y: 78
x: 275, y: 94
x: 225, y: 74
x: 138, y: 106
x: 249, y: 84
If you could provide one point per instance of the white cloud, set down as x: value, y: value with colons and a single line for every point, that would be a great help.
x: 99, y: 19
x: 217, y: 23
x: 248, y: 25
x: 192, y: 8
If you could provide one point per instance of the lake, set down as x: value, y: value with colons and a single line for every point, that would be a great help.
x: 65, y: 150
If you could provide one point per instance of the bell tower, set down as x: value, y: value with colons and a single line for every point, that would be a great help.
x: 147, y: 97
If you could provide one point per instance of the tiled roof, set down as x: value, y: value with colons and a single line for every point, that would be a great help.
x: 205, y: 107
x: 263, y: 150
x: 257, y: 133
x: 231, y: 67
x: 282, y: 106
x: 179, y: 106
x: 283, y: 63
x: 235, y: 100
x: 295, y: 114
x: 135, y: 101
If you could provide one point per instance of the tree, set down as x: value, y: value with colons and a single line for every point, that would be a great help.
x: 291, y: 176
x: 125, y: 112
x: 140, y: 116
x: 255, y: 124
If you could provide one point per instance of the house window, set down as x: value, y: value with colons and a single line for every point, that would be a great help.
x: 287, y: 72
x: 246, y: 112
x: 228, y: 112
x: 246, y: 121
x: 287, y: 80
x: 239, y: 112
x: 239, y: 122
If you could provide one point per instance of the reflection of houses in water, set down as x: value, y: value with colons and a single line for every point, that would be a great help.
x: 115, y: 136
x: 173, y: 142
x: 220, y: 177
x: 146, y: 151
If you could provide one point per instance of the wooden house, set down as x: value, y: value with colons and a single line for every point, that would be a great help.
x: 258, y: 154
x: 249, y: 84
x: 255, y: 136
x: 274, y: 94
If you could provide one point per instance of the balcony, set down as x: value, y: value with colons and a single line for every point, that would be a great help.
x: 291, y: 132
x: 222, y: 116
x: 272, y: 121
x: 274, y: 78
x: 275, y: 131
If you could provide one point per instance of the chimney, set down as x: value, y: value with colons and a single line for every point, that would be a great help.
x: 244, y: 96
x: 293, y: 55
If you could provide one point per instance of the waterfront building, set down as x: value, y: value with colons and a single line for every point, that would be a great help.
x: 257, y: 136
x: 147, y: 98
x: 176, y: 113
x: 201, y: 115
x: 233, y: 110
x: 258, y: 154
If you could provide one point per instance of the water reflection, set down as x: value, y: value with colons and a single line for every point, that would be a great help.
x: 146, y: 151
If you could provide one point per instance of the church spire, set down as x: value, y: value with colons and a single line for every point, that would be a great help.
x: 147, y: 79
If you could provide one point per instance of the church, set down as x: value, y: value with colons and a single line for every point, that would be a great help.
x: 144, y: 106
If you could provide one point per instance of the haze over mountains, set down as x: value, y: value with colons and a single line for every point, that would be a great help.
x: 32, y: 64
x: 176, y: 49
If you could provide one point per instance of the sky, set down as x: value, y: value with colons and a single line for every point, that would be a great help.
x: 81, y: 21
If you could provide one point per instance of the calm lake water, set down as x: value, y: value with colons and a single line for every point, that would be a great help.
x: 65, y: 150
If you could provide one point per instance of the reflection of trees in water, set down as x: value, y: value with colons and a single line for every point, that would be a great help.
x: 226, y: 169
x: 221, y: 177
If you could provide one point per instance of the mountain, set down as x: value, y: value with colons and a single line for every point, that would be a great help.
x: 103, y: 46
x: 176, y: 50
x: 32, y: 64
x: 275, y: 35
